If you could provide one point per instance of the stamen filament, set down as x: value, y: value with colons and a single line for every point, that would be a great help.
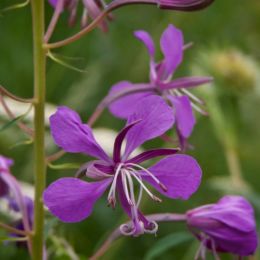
x: 112, y: 192
x: 125, y: 187
x: 193, y: 97
x: 150, y: 174
x: 145, y: 188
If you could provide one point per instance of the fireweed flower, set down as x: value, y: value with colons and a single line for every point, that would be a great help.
x: 175, y: 92
x: 93, y: 8
x: 175, y: 176
x: 10, y: 191
x: 226, y: 226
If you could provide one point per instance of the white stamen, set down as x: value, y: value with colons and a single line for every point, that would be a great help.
x: 197, y: 108
x: 125, y: 187
x: 193, y: 97
x: 150, y: 174
x: 112, y: 192
x: 145, y: 188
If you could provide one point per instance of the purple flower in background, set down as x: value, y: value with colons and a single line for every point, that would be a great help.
x: 11, y: 192
x: 93, y: 8
x: 227, y: 226
x: 5, y: 164
x: 175, y: 176
x: 176, y: 92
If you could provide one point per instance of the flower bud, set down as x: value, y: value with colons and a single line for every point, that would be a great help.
x: 226, y: 226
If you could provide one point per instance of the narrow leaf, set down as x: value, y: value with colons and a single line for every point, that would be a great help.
x: 167, y: 243
x: 64, y: 166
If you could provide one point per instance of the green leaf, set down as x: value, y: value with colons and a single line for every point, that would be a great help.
x: 11, y: 123
x: 15, y: 120
x: 24, y: 142
x: 64, y: 166
x: 60, y: 61
x: 166, y: 243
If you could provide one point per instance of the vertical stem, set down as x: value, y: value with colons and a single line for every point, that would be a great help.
x: 39, y: 153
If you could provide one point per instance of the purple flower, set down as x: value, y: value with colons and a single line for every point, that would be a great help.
x: 227, y: 226
x: 175, y: 176
x: 91, y: 9
x: 174, y: 91
x: 94, y: 8
x: 11, y: 192
x: 5, y: 164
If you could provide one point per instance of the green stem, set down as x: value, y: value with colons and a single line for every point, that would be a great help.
x: 39, y: 153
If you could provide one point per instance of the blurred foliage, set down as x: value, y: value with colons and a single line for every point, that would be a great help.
x: 115, y: 56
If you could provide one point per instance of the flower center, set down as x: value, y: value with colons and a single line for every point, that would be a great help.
x: 129, y: 172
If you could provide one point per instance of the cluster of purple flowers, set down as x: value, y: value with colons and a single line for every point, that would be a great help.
x: 150, y: 110
x: 93, y: 8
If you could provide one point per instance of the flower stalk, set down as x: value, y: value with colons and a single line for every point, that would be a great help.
x: 39, y: 103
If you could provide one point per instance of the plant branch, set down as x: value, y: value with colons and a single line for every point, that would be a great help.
x: 112, y: 6
x: 13, y: 230
x: 54, y: 20
x: 5, y: 92
x: 21, y: 125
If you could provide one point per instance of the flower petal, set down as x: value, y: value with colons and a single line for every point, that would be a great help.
x: 145, y: 37
x: 172, y: 47
x: 234, y: 211
x: 125, y: 105
x: 72, y: 135
x: 72, y: 200
x: 150, y: 154
x: 180, y: 174
x: 157, y: 118
x: 185, y: 119
x: 231, y: 240
x: 119, y: 140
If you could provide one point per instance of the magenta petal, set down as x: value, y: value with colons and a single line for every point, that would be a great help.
x: 234, y: 211
x: 119, y: 140
x: 185, y: 119
x: 72, y: 200
x: 157, y: 118
x: 172, y: 48
x: 54, y: 3
x: 125, y: 105
x: 180, y: 174
x: 150, y: 154
x: 147, y: 40
x: 72, y: 135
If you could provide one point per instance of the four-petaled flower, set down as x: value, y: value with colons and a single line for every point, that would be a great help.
x: 174, y: 91
x: 175, y: 176
x: 227, y: 226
